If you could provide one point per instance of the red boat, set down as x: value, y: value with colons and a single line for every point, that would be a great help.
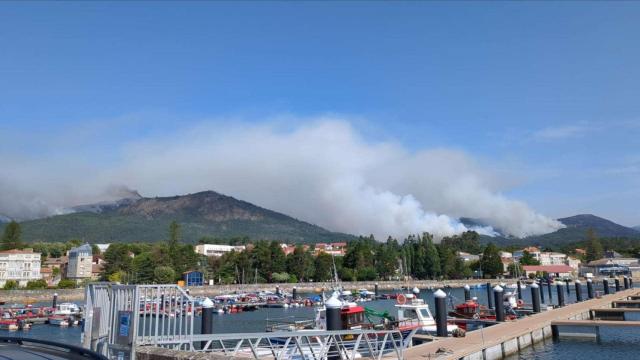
x: 471, y: 309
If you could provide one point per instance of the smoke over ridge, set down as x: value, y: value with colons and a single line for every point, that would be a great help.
x: 322, y: 172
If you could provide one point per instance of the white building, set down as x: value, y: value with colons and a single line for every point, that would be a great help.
x: 552, y: 258
x: 19, y: 265
x: 80, y: 261
x: 103, y: 247
x: 217, y: 250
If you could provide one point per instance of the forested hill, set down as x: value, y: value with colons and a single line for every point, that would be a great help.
x: 204, y: 214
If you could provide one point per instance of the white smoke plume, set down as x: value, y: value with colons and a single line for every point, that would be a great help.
x: 323, y: 172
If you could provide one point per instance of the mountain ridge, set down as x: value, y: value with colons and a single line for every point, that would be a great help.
x: 201, y: 214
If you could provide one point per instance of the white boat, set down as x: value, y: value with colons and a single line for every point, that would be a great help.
x: 67, y: 309
x: 410, y: 307
x: 58, y: 320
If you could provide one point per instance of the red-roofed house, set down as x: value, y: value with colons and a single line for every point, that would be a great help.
x: 554, y: 270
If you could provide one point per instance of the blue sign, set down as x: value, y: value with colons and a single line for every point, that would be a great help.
x: 125, y: 322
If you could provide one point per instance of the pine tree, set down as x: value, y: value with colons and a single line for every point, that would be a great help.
x: 491, y: 264
x: 12, y: 236
x: 594, y: 247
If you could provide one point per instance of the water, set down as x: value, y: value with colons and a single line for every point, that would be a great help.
x: 613, y: 341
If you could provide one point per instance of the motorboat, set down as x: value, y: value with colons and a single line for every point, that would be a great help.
x: 58, y: 320
x: 411, y: 308
x: 67, y: 309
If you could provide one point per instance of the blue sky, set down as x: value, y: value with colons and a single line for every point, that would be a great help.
x: 546, y: 90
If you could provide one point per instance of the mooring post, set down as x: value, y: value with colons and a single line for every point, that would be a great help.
x: 277, y: 290
x: 566, y: 282
x: 294, y: 293
x: 541, y: 291
x: 617, y: 281
x: 590, y: 288
x: 54, y: 302
x: 549, y: 291
x: 605, y: 284
x: 560, y: 294
x: 578, y: 290
x: 467, y: 293
x: 207, y: 320
x: 519, y: 290
x: 631, y: 282
x: 334, y: 322
x: 535, y: 297
x: 375, y: 290
x: 441, y: 312
x: 626, y: 282
x: 499, y: 300
x: 489, y: 296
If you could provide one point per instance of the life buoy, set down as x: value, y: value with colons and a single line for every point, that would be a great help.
x: 401, y: 299
x: 520, y: 302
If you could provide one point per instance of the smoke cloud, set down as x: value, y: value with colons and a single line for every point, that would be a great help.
x: 322, y: 172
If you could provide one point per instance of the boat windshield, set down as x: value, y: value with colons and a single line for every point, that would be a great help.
x: 425, y: 313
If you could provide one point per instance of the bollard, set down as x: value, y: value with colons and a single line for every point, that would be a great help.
x: 549, y: 291
x: 578, y: 290
x: 519, y: 290
x: 541, y: 291
x: 294, y: 293
x: 54, y: 302
x: 560, y: 294
x: 206, y: 327
x: 617, y: 281
x: 499, y: 300
x: 605, y: 283
x: 590, y: 288
x: 489, y: 296
x: 334, y: 322
x: 566, y: 281
x: 535, y: 297
x: 441, y: 313
x: 626, y: 282
x: 277, y: 290
x: 467, y: 293
x: 375, y: 290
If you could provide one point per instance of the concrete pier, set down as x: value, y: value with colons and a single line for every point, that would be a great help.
x: 508, y: 338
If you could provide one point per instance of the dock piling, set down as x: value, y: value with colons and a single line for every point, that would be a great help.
x: 560, y: 294
x: 605, y: 284
x: 499, y: 302
x: 467, y: 292
x: 535, y: 297
x: 519, y: 290
x: 206, y: 327
x: 626, y: 282
x: 549, y: 291
x: 334, y: 322
x: 617, y: 281
x: 489, y: 296
x: 54, y: 302
x: 566, y: 282
x: 294, y: 293
x: 375, y: 290
x: 441, y: 312
x: 590, y: 288
x: 541, y: 291
x: 578, y: 290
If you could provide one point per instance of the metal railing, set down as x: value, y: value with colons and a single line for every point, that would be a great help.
x: 308, y: 344
x: 164, y: 316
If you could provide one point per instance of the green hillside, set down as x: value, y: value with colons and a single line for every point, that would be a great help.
x: 203, y: 214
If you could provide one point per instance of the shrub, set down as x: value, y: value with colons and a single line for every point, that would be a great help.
x: 67, y: 284
x: 164, y: 275
x: 10, y: 285
x: 37, y: 284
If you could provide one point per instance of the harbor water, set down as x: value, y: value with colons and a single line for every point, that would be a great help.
x: 613, y: 342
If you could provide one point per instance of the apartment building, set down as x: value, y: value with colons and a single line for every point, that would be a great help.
x: 216, y: 249
x: 21, y: 266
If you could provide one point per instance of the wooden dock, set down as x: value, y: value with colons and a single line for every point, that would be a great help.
x: 508, y: 338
